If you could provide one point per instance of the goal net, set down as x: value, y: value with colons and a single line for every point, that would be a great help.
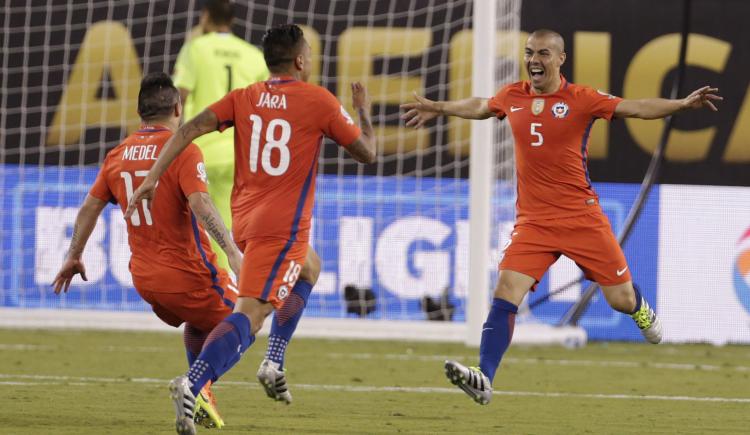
x: 394, y: 237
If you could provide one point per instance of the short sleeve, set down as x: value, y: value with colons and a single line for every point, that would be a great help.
x: 224, y: 110
x: 184, y: 74
x: 496, y: 104
x: 338, y: 125
x: 191, y: 174
x: 100, y: 189
x: 598, y: 103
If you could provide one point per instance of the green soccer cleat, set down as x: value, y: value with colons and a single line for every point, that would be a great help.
x: 647, y: 322
x: 206, y: 413
x: 471, y: 380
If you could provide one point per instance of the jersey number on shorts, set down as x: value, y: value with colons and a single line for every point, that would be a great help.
x: 135, y: 219
x: 278, y: 133
x: 536, y: 133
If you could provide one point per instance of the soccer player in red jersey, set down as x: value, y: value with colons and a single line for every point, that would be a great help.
x: 558, y: 212
x: 172, y: 264
x: 279, y: 127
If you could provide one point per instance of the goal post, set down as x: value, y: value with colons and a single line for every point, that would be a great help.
x: 481, y: 174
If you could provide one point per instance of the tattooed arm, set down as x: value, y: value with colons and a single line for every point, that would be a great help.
x: 205, y: 122
x: 84, y: 225
x: 364, y: 148
x: 205, y: 211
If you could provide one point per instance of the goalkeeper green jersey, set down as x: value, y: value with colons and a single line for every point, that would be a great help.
x: 210, y: 66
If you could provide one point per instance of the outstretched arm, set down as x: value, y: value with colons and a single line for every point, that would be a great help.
x: 205, y: 122
x: 655, y: 108
x: 423, y: 110
x: 210, y: 219
x: 363, y: 149
x: 85, y: 222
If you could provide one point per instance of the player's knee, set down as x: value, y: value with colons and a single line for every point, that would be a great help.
x: 311, y: 271
x: 255, y: 310
x: 510, y: 292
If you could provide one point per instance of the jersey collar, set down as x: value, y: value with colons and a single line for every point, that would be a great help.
x: 563, y: 85
x: 280, y: 80
x: 152, y: 128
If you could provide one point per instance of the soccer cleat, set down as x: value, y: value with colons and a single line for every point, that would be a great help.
x: 647, y: 322
x: 184, y: 405
x: 206, y: 412
x: 471, y: 380
x: 274, y: 381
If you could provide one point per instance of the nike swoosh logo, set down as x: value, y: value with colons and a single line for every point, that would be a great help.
x: 487, y: 329
x: 621, y: 271
x: 515, y: 109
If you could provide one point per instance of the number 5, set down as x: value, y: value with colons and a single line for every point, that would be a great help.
x: 538, y: 134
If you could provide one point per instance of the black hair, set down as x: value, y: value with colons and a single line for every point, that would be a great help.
x: 157, y: 96
x: 220, y: 12
x: 281, y: 45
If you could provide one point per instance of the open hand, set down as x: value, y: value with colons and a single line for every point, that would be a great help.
x: 703, y: 97
x: 69, y: 269
x: 418, y: 113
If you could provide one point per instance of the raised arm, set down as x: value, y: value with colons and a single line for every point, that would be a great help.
x: 205, y: 122
x: 655, y: 108
x: 423, y: 110
x: 85, y: 222
x: 210, y: 219
x: 363, y: 149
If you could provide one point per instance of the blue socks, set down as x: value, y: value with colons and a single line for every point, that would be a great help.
x: 222, y: 350
x: 496, y: 334
x: 285, y: 322
x: 637, y: 299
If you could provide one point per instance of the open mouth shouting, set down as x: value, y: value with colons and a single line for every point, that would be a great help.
x: 536, y: 73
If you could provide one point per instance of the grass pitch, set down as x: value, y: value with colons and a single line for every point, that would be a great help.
x: 87, y: 382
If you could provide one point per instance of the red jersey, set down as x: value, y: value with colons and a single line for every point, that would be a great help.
x: 551, y: 133
x: 170, y: 252
x: 279, y: 126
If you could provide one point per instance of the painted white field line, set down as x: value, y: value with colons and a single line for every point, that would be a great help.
x: 25, y: 347
x: 561, y: 362
x: 414, y: 357
x: 109, y: 348
x: 93, y: 381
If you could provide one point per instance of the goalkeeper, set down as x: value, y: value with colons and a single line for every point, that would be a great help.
x: 207, y: 68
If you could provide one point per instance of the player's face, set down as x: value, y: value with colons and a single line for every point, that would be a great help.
x: 306, y: 61
x: 543, y: 57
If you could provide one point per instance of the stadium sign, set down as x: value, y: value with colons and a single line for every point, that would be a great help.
x: 88, y: 87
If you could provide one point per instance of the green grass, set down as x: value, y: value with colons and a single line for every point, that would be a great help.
x: 86, y: 382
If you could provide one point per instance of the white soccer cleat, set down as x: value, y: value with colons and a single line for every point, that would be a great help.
x: 274, y: 382
x: 647, y: 322
x: 184, y: 405
x: 471, y: 380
